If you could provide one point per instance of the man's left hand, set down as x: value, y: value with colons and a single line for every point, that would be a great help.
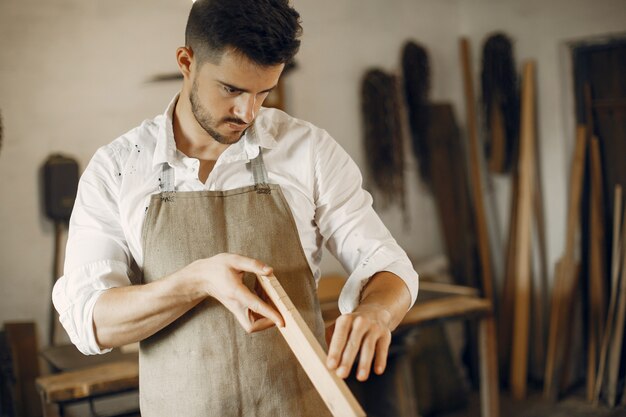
x: 368, y: 330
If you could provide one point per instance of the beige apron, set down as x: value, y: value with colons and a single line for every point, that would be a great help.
x: 204, y: 363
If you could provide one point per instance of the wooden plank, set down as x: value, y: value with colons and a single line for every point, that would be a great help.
x: 505, y: 321
x: 310, y: 354
x: 22, y: 340
x: 450, y: 289
x: 475, y: 172
x: 550, y: 384
x: 596, y: 291
x: 89, y: 382
x: 489, y: 387
x: 615, y: 267
x: 330, y: 286
x: 521, y: 312
x: 448, y: 172
x: 565, y: 271
x: 540, y: 280
x: 569, y: 364
x: 446, y: 308
x: 53, y: 318
x: 439, y: 309
x: 615, y: 347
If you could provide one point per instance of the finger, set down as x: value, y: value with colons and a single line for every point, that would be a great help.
x: 382, y: 352
x: 252, y: 322
x: 338, y: 341
x: 243, y: 263
x: 262, y: 308
x: 352, y: 347
x: 368, y: 348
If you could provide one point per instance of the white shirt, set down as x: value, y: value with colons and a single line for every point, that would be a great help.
x: 321, y: 184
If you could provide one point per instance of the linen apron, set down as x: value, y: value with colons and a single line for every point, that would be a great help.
x: 204, y: 363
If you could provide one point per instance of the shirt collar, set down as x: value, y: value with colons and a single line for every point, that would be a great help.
x: 257, y: 135
x: 165, y: 150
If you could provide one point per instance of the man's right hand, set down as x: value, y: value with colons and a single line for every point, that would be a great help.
x: 221, y: 277
x: 132, y: 313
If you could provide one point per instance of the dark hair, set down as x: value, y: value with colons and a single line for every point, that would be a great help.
x: 265, y: 31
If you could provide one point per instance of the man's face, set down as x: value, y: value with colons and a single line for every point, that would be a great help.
x: 225, y: 97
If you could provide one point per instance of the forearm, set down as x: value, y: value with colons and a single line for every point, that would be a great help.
x: 129, y: 314
x: 388, y: 292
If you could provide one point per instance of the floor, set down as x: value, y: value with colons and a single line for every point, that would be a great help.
x: 535, y: 406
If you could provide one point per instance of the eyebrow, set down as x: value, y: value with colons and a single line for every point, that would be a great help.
x: 243, y: 90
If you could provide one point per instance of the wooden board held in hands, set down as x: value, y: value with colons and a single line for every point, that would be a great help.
x: 310, y: 354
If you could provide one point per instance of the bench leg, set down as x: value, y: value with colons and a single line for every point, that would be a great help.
x: 405, y: 387
x: 49, y: 410
x: 489, y: 391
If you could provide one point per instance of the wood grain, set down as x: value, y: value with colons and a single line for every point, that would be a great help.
x: 540, y: 280
x: 22, y: 340
x: 489, y: 389
x: 310, y: 354
x: 89, y: 382
x: 447, y: 308
x: 617, y: 338
x: 523, y: 287
x: 505, y: 321
x: 596, y: 276
x: 565, y: 274
x: 610, y: 319
x: 475, y: 172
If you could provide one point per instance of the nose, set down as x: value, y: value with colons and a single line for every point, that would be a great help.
x: 245, y: 107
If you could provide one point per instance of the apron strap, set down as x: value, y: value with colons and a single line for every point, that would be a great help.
x: 167, y: 182
x: 260, y: 174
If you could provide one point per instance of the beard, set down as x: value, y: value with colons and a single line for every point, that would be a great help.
x: 208, y: 122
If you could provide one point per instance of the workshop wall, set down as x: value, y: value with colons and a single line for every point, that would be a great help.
x: 542, y: 31
x: 74, y: 76
x: 343, y: 39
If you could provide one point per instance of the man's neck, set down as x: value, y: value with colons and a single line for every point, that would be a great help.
x: 191, y: 139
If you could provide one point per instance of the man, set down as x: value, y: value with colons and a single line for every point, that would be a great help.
x: 199, y: 200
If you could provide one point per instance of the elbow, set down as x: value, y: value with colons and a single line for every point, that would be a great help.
x: 77, y: 320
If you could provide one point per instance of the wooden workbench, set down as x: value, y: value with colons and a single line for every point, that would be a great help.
x: 436, y: 303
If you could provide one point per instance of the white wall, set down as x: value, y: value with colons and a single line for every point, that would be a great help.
x: 341, y: 40
x: 73, y: 77
x: 542, y: 31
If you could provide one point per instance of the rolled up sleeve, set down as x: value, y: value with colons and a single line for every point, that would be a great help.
x: 96, y: 257
x: 353, y: 232
x: 75, y: 295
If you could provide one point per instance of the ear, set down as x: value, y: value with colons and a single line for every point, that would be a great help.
x: 185, y: 61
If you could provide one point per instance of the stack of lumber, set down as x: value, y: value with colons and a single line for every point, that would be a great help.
x: 612, y: 338
x: 605, y: 326
x: 604, y: 279
x: 588, y: 280
x: 514, y: 308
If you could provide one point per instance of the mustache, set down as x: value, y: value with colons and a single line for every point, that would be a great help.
x: 234, y: 120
